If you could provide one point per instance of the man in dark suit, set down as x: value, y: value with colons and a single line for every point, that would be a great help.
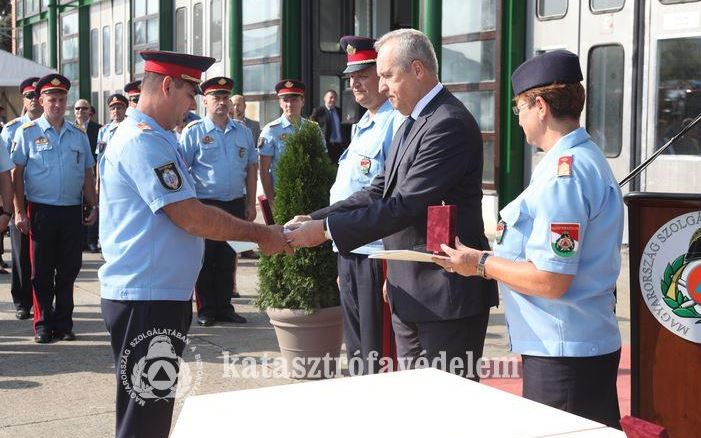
x: 436, y: 156
x: 82, y: 111
x: 328, y: 116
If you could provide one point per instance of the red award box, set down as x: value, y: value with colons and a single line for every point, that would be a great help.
x: 441, y: 227
x: 267, y: 211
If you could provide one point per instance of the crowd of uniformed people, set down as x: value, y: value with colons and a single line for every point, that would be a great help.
x: 171, y: 187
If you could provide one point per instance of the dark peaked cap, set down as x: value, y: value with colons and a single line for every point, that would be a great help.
x: 557, y: 66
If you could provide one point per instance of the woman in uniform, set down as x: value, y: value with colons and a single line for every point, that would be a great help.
x: 557, y: 250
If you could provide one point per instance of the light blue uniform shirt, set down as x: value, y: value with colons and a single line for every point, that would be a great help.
x: 271, y: 142
x: 5, y: 162
x: 10, y: 129
x: 103, y: 138
x: 147, y: 256
x: 54, y: 162
x: 586, y: 205
x: 365, y: 157
x: 218, y: 159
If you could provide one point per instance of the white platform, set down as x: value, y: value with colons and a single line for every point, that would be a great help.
x: 415, y: 403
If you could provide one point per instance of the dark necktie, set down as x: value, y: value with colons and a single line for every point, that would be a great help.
x: 408, y: 123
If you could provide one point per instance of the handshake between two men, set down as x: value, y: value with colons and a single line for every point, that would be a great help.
x: 300, y: 232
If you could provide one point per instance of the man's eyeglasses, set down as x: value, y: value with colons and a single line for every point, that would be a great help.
x: 30, y: 96
x: 134, y: 99
x: 82, y: 108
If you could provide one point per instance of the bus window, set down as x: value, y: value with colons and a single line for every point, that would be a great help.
x: 605, y: 98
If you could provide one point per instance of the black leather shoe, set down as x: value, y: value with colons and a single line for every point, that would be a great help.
x: 232, y: 317
x: 22, y: 314
x: 67, y: 336
x: 235, y: 295
x: 251, y: 255
x: 42, y: 338
x: 93, y: 248
x: 205, y: 321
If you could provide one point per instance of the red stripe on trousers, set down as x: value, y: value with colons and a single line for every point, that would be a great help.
x: 37, y: 308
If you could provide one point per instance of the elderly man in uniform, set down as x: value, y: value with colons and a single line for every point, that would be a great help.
x: 222, y: 159
x: 152, y: 241
x: 54, y: 168
x: 436, y: 157
x: 21, y: 268
x: 133, y: 90
x: 271, y: 143
x: 117, y: 104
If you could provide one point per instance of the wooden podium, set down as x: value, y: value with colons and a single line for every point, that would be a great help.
x: 665, y: 367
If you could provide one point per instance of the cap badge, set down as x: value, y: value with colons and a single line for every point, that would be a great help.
x: 222, y: 81
x: 289, y: 84
x: 350, y: 50
x: 55, y: 82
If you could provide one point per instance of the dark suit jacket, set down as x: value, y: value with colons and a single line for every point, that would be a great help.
x: 92, y: 131
x: 254, y: 127
x: 321, y: 116
x: 441, y: 161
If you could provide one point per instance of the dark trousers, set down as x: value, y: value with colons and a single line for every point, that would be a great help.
x: 461, y: 340
x: 91, y: 232
x: 56, y: 256
x: 129, y: 324
x: 360, y: 285
x: 584, y: 386
x: 21, y: 288
x: 215, y: 281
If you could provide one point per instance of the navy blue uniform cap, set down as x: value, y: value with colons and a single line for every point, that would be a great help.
x: 559, y: 66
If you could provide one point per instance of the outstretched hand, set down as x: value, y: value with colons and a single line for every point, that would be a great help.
x: 274, y: 241
x: 306, y: 235
x: 297, y: 221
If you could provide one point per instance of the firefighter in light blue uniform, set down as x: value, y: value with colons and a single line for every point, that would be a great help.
x: 360, y: 278
x: 10, y: 129
x: 31, y: 106
x: 222, y: 160
x: 557, y: 252
x: 271, y: 142
x: 117, y: 104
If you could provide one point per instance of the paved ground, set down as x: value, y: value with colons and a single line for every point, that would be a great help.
x: 66, y: 389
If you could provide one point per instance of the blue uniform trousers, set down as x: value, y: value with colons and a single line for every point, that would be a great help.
x: 56, y: 256
x: 360, y: 286
x: 584, y: 386
x: 21, y: 288
x: 125, y: 322
x: 216, y: 279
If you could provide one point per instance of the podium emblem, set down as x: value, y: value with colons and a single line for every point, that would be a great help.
x: 670, y: 276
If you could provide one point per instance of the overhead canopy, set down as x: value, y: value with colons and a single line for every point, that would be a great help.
x: 14, y: 69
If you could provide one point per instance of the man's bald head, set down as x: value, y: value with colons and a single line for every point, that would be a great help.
x: 238, y: 107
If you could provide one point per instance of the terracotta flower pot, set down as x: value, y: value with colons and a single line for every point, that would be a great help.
x: 310, y: 343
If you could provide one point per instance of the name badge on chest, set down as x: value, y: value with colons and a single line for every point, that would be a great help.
x: 42, y: 143
x: 207, y: 139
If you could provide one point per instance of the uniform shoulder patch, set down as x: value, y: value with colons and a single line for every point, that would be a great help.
x: 143, y: 126
x: 169, y: 176
x: 29, y: 124
x: 193, y: 123
x: 564, y: 239
x: 564, y: 165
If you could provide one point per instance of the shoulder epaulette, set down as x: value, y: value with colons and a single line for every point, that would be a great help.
x: 12, y: 122
x: 143, y: 126
x: 193, y: 123
x: 275, y: 122
x: 29, y: 124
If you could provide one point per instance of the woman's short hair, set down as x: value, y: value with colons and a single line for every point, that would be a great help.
x: 565, y: 100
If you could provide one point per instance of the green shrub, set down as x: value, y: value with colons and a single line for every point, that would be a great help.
x: 303, y: 178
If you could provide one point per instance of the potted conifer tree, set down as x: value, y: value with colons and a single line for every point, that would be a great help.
x: 299, y: 292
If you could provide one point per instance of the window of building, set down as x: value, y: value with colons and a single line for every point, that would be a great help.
x: 329, y: 29
x: 671, y: 2
x: 469, y: 57
x: 678, y: 94
x: 118, y: 48
x: 42, y: 53
x: 35, y: 52
x: 19, y: 7
x: 369, y: 17
x: 31, y: 7
x: 94, y: 48
x: 216, y: 30
x: 69, y: 53
x: 605, y: 98
x: 19, y: 50
x: 181, y: 30
x: 105, y: 107
x: 197, y: 29
x: 106, y: 51
x: 551, y: 9
x: 261, y: 57
x: 606, y: 5
x: 145, y: 31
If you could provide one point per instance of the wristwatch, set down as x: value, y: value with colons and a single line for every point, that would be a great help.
x: 480, y: 265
